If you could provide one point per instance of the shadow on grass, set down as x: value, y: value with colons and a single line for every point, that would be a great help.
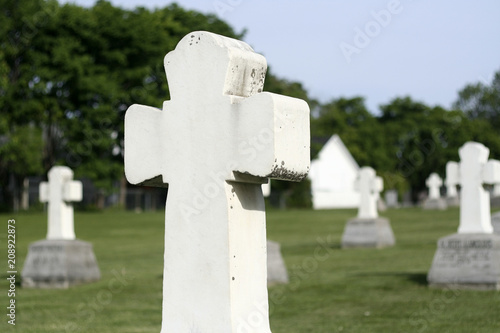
x: 416, y: 278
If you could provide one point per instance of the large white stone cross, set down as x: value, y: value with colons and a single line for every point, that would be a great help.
x: 475, y: 169
x: 452, y: 179
x: 214, y: 143
x: 369, y: 186
x: 60, y: 191
x: 434, y: 182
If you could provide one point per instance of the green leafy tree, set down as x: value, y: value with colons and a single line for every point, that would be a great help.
x: 21, y: 118
x: 71, y: 73
x: 481, y: 101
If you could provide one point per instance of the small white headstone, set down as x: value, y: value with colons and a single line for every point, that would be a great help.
x: 496, y: 190
x: 434, y: 200
x: 369, y: 187
x: 495, y: 222
x: 452, y: 179
x: 434, y: 182
x: 60, y: 261
x: 213, y: 144
x: 266, y: 188
x: 475, y: 170
x: 391, y: 198
x: 60, y: 192
x: 368, y: 230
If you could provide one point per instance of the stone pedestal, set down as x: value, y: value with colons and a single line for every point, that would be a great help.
x: 453, y: 202
x: 59, y: 264
x: 439, y: 203
x: 375, y: 232
x: 495, y: 222
x: 276, y: 269
x: 466, y: 261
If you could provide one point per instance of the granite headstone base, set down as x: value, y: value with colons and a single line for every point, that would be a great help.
x: 276, y: 269
x: 59, y: 264
x: 453, y: 201
x: 375, y: 233
x: 495, y: 222
x: 466, y: 261
x: 432, y: 204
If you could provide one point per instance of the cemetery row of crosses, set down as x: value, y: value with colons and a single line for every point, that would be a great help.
x: 192, y: 146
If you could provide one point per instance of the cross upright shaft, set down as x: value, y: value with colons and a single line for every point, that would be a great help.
x: 215, y: 142
x: 475, y: 170
x: 60, y: 191
x: 369, y: 186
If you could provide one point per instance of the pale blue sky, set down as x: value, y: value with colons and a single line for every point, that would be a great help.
x: 426, y: 49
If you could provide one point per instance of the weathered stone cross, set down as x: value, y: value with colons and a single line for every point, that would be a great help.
x: 213, y: 144
x: 60, y: 191
x: 452, y: 179
x: 369, y: 186
x: 434, y: 182
x: 475, y: 169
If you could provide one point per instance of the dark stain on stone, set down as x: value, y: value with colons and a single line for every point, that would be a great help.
x: 280, y: 172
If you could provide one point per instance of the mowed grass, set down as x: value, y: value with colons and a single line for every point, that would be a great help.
x: 330, y: 289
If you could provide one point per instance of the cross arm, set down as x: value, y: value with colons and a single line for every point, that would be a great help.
x: 72, y: 191
x: 273, y: 137
x: 143, y: 148
x: 378, y: 184
x: 44, y: 192
x: 491, y: 172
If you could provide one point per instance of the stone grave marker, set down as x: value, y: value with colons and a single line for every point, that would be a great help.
x: 391, y: 199
x: 495, y: 195
x: 496, y: 190
x: 434, y: 200
x: 368, y: 229
x: 470, y: 259
x: 61, y: 260
x: 495, y: 222
x: 451, y: 182
x: 213, y: 144
x: 276, y: 268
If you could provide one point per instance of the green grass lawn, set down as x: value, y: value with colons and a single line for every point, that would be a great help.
x: 330, y: 289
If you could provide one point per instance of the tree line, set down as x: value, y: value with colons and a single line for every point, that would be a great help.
x: 69, y: 73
